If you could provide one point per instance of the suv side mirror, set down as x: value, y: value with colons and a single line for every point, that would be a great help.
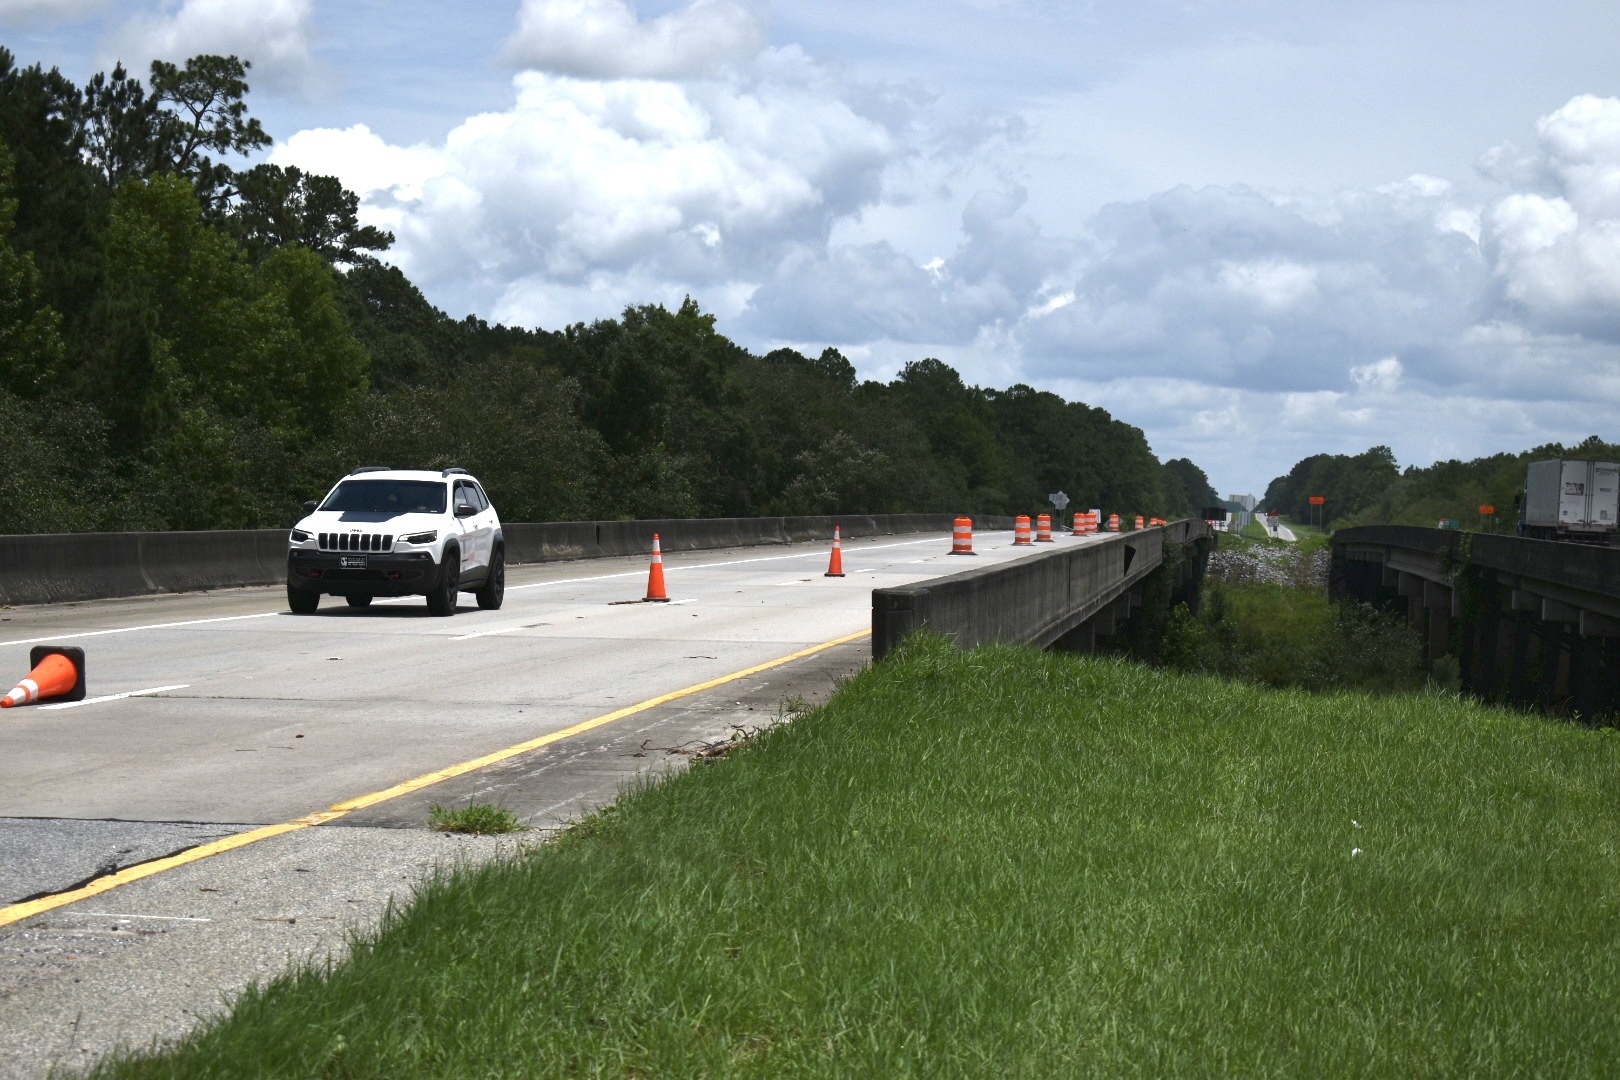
x: 464, y: 510
x: 309, y: 506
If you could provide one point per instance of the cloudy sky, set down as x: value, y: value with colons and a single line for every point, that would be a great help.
x: 1256, y: 229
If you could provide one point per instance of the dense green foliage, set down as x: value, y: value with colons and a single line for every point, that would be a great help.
x: 1346, y: 483
x: 1265, y: 618
x: 999, y: 863
x: 1369, y: 489
x: 187, y: 344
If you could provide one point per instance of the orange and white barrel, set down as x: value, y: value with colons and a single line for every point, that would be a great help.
x: 962, y: 536
x: 1113, y: 523
x: 1079, y: 523
x: 1021, y: 535
x: 1138, y: 525
x: 1043, y: 529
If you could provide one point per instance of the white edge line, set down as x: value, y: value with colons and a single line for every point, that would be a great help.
x: 76, y: 634
x: 489, y: 633
x: 114, y: 697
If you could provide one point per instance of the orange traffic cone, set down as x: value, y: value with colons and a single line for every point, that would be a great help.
x: 58, y: 672
x: 1021, y: 531
x: 835, y: 568
x: 655, y: 575
x: 1043, y: 529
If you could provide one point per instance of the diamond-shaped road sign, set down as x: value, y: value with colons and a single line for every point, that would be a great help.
x: 1058, y: 499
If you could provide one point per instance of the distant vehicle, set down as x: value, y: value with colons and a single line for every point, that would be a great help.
x: 1571, y: 499
x: 398, y: 532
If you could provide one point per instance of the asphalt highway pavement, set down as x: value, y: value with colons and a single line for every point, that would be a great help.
x: 221, y: 717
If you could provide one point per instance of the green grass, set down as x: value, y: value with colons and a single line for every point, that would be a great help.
x: 1304, y: 530
x: 480, y: 819
x: 1253, y: 529
x: 1007, y: 863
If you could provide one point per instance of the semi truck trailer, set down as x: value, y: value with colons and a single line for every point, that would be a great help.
x: 1571, y: 499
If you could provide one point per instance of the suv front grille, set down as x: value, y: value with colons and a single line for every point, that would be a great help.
x: 355, y: 542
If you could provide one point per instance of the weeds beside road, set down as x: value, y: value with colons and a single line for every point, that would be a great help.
x: 1007, y: 863
x: 1265, y: 618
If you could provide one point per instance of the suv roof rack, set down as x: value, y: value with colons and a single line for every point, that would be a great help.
x: 370, y: 468
x: 455, y: 469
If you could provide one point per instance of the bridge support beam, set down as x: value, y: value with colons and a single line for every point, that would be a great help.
x: 1437, y: 613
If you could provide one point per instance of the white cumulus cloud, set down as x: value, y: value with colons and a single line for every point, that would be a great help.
x: 603, y: 39
x: 367, y: 164
x: 1274, y: 284
x: 1556, y: 249
x: 274, y: 35
x: 1381, y: 375
x: 694, y: 187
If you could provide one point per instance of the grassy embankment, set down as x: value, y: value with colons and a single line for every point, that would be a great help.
x: 1007, y: 863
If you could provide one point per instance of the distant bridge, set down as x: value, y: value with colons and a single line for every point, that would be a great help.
x: 1532, y: 623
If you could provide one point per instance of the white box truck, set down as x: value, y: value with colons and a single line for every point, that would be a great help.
x: 1571, y: 499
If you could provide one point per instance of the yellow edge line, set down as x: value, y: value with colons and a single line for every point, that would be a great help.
x: 18, y: 912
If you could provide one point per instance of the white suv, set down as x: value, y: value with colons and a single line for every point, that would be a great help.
x: 398, y: 532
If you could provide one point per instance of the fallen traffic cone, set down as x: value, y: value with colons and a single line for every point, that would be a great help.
x: 655, y: 575
x: 835, y: 568
x: 58, y: 672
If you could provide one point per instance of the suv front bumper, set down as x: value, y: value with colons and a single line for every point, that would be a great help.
x: 407, y: 574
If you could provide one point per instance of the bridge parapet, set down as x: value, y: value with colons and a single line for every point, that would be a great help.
x: 1082, y: 589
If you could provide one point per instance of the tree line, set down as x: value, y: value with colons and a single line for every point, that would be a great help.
x: 191, y: 344
x: 1370, y: 489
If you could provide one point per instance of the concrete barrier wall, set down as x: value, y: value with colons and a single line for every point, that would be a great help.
x: 1033, y: 601
x: 59, y: 567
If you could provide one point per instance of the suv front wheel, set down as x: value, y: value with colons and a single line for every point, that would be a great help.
x: 303, y: 601
x: 493, y: 591
x: 442, y: 600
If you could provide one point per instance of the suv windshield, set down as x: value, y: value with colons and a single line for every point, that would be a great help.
x: 388, y: 496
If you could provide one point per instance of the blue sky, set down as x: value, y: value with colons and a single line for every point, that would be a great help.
x: 1257, y: 229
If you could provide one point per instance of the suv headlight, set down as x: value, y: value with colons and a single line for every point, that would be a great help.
x: 299, y: 536
x: 421, y: 537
